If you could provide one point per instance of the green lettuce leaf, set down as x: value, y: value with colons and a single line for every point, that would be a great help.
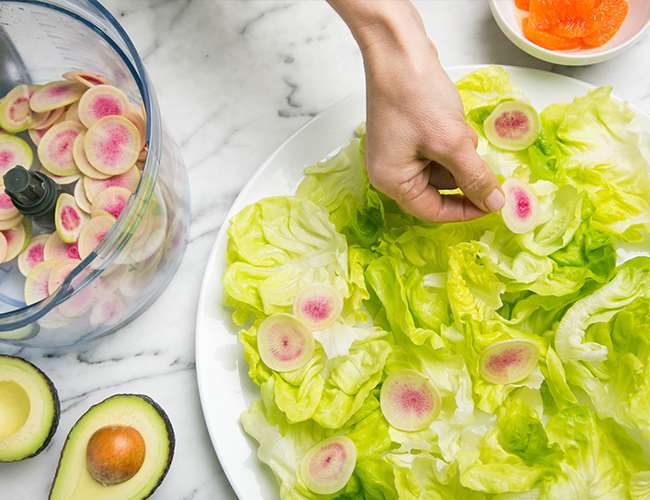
x: 277, y: 246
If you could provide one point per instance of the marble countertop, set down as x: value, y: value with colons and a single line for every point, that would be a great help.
x: 235, y: 78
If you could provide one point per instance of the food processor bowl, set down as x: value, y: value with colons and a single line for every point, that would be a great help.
x: 39, y: 41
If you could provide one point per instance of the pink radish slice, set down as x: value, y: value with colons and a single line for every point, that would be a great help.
x: 508, y: 361
x: 111, y: 201
x: 15, y: 114
x: 107, y: 311
x: 284, y: 343
x: 85, y: 78
x: 56, y: 95
x: 93, y: 233
x: 32, y: 255
x: 7, y: 208
x: 36, y: 283
x: 64, y: 180
x: 17, y: 237
x: 50, y: 118
x: 80, y: 197
x: 512, y: 125
x: 101, y: 101
x: 79, y: 155
x: 55, y: 249
x: 112, y: 145
x: 55, y: 148
x: 72, y: 112
x: 318, y: 306
x: 68, y: 218
x: 328, y: 466
x: 36, y: 135
x: 128, y: 180
x: 10, y: 223
x: 3, y: 247
x: 60, y: 273
x: 14, y: 151
x: 79, y: 303
x: 409, y: 401
x: 520, y: 212
x: 135, y: 116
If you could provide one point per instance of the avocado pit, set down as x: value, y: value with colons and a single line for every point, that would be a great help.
x: 115, y: 454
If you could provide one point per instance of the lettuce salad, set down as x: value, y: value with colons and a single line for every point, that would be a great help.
x: 431, y: 299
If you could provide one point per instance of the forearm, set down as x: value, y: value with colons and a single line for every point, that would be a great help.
x: 394, y: 23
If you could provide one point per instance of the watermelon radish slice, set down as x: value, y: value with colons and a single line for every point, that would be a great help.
x: 327, y: 467
x: 112, y: 145
x: 14, y: 151
x: 60, y: 273
x: 55, y: 249
x: 7, y: 208
x: 93, y: 233
x: 64, y: 180
x: 33, y: 254
x: 101, y: 101
x: 55, y: 148
x: 409, y: 401
x: 284, y: 343
x: 111, y: 201
x: 56, y: 95
x: 36, y: 135
x: 15, y: 114
x: 508, y: 361
x: 318, y: 306
x: 85, y: 78
x: 47, y: 119
x: 36, y: 283
x: 80, y: 197
x: 520, y: 212
x: 107, y: 310
x: 128, y: 180
x: 17, y: 239
x: 136, y: 117
x: 10, y: 223
x: 82, y: 163
x: 3, y: 247
x: 512, y: 125
x: 68, y: 218
x: 72, y: 112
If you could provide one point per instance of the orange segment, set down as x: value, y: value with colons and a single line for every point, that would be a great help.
x: 608, y: 18
x: 573, y: 13
x: 522, y: 4
x: 546, y: 39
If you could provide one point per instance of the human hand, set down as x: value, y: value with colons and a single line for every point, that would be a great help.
x: 418, y: 140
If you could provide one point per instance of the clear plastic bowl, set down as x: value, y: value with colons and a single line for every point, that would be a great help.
x: 39, y: 41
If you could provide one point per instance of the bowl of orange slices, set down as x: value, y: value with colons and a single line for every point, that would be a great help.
x: 572, y: 32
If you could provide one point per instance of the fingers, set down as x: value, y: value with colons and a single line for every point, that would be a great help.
x: 471, y: 173
x: 431, y: 206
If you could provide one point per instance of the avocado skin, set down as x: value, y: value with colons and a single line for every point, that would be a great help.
x: 168, y: 425
x: 57, y: 407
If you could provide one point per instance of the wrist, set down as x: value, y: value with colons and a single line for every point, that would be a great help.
x: 381, y: 25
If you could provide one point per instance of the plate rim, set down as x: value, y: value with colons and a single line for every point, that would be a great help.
x: 209, y: 281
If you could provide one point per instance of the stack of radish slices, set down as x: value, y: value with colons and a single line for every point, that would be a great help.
x: 90, y: 139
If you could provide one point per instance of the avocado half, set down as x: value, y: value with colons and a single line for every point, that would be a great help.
x: 29, y: 409
x: 72, y: 480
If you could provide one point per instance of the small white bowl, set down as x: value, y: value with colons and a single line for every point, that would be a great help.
x: 509, y: 17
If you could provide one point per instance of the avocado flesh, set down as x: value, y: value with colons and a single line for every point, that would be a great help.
x: 29, y: 409
x: 74, y: 482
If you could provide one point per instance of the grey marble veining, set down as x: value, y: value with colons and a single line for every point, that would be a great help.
x: 234, y: 78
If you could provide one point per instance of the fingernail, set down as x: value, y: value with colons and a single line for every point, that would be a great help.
x: 495, y: 200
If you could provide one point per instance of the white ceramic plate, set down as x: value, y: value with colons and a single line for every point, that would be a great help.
x: 224, y: 386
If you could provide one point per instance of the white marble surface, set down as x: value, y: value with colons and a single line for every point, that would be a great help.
x: 234, y: 78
